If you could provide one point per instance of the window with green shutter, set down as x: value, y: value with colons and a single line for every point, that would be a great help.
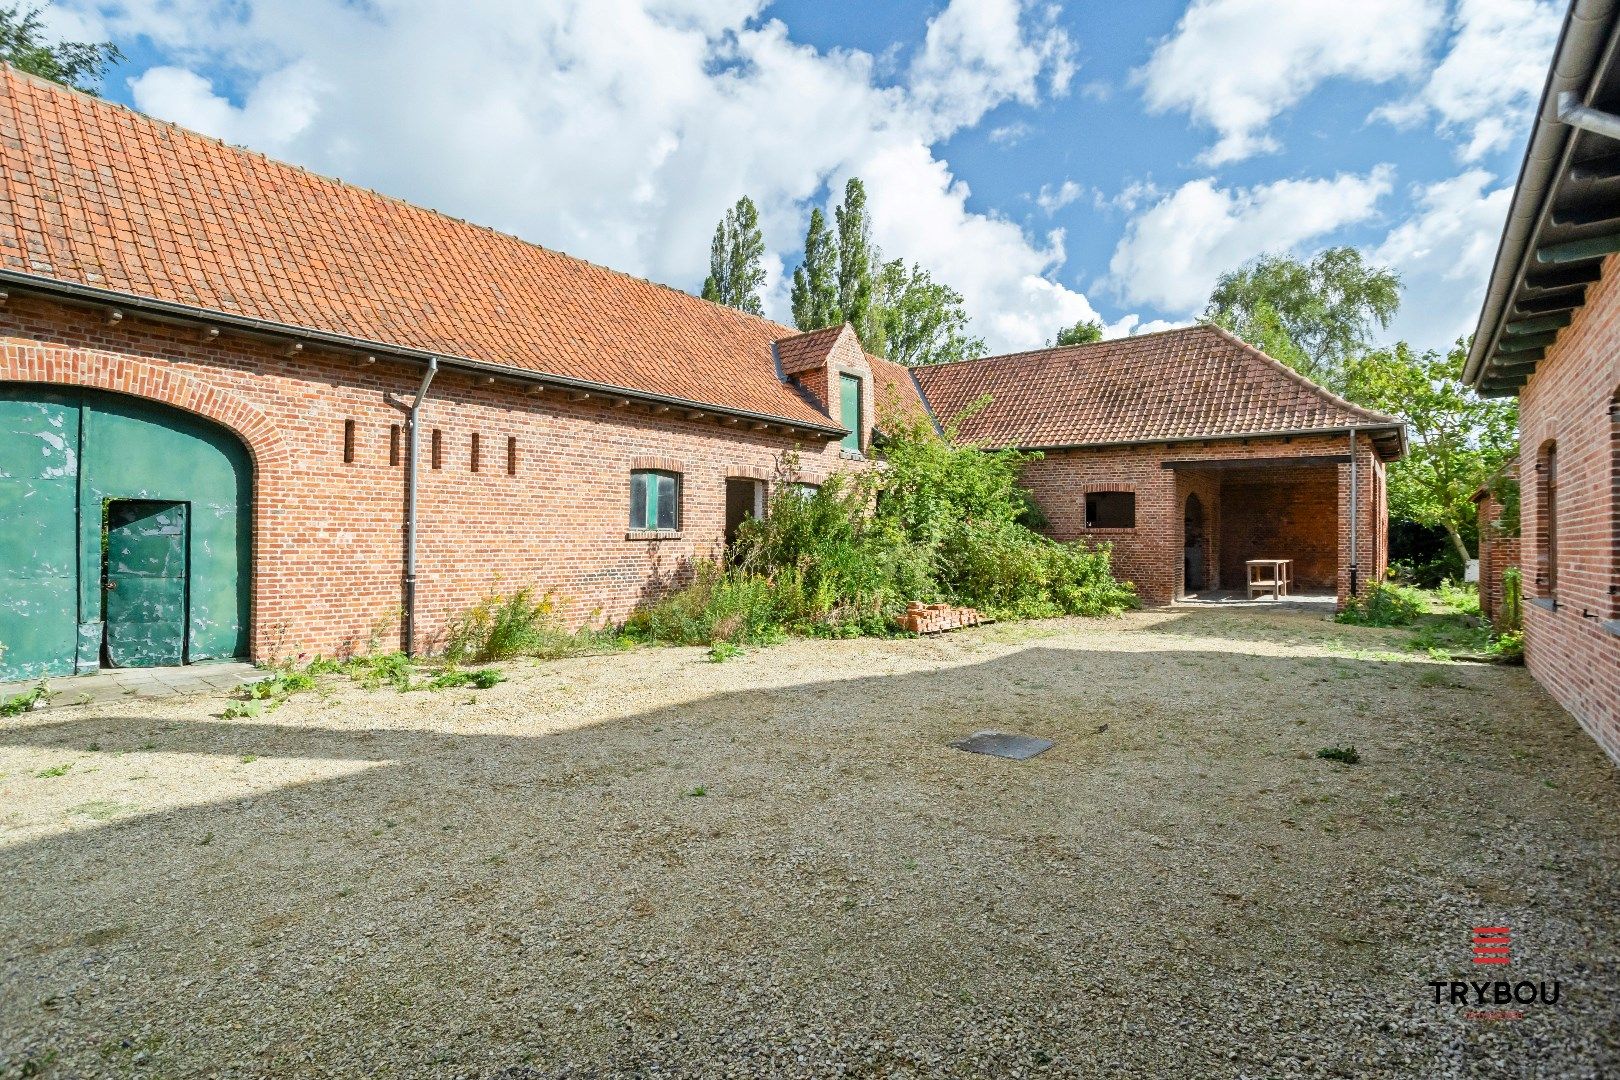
x: 655, y: 500
x: 849, y: 409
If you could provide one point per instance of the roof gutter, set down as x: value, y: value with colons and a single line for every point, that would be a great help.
x: 168, y: 311
x: 1398, y: 429
x: 1584, y: 38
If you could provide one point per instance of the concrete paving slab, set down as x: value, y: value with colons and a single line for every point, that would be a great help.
x: 114, y: 684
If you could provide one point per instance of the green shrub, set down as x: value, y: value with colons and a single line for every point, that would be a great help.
x: 1383, y: 605
x: 941, y: 522
x: 723, y: 651
x: 1344, y: 755
x: 1512, y: 617
x: 501, y: 626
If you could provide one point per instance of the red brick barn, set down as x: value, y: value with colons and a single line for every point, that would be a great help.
x: 1191, y: 453
x: 1550, y: 333
x: 209, y: 362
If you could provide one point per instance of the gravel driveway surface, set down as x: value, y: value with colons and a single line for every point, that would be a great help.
x: 649, y: 864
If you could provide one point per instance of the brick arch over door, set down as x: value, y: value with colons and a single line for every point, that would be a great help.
x: 32, y: 362
x: 155, y: 381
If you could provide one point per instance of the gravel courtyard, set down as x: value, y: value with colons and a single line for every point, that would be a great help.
x: 650, y: 864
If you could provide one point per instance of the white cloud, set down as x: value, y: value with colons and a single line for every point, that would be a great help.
x: 1443, y: 252
x: 1485, y: 90
x: 1172, y: 252
x: 620, y: 130
x: 979, y: 53
x: 920, y: 211
x: 280, y: 106
x: 1009, y: 134
x: 1052, y: 199
x: 1235, y: 65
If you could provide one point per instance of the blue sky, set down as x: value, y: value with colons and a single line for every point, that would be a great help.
x: 1050, y: 160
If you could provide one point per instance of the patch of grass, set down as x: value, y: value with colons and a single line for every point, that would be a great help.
x: 1461, y: 599
x: 102, y: 809
x: 54, y: 770
x: 280, y: 686
x: 482, y: 679
x: 27, y: 701
x: 248, y: 759
x: 1384, y: 605
x: 721, y: 651
x: 1344, y: 755
x: 1508, y: 647
x: 376, y: 670
x: 697, y: 792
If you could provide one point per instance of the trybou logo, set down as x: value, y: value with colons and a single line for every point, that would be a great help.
x: 1494, y: 1000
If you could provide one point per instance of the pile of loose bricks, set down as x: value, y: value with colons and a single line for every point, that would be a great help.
x: 923, y: 618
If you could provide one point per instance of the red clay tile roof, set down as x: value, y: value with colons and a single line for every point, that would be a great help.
x: 94, y: 194
x: 895, y: 391
x: 801, y: 352
x: 1194, y: 382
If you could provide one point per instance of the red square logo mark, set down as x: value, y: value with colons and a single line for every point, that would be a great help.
x: 1492, y: 944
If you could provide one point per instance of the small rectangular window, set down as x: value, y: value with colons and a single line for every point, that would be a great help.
x: 475, y: 452
x: 393, y: 444
x: 348, y: 441
x: 655, y: 501
x: 1111, y: 510
x: 511, y: 457
x: 438, y: 448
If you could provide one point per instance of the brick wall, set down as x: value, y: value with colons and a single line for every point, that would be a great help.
x: 1572, y: 639
x: 1283, y: 514
x: 1152, y: 553
x: 328, y: 536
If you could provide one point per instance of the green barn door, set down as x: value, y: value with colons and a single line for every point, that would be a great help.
x: 145, y: 583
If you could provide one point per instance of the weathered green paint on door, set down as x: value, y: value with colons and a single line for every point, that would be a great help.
x: 145, y: 583
x: 849, y: 409
x: 39, y: 494
x: 67, y: 454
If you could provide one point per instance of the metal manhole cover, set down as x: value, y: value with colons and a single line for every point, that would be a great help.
x: 1017, y: 747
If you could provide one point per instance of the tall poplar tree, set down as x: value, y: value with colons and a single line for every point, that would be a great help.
x: 737, y: 260
x: 815, y: 282
x: 858, y: 263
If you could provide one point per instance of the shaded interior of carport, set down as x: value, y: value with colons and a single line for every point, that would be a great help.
x: 1232, y: 511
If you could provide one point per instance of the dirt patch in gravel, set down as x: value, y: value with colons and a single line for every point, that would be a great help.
x: 647, y: 863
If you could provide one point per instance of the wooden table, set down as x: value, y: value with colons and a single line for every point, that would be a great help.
x: 1278, y: 584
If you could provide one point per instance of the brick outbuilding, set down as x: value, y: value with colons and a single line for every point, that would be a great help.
x: 1550, y: 333
x: 210, y: 363
x: 1190, y: 452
